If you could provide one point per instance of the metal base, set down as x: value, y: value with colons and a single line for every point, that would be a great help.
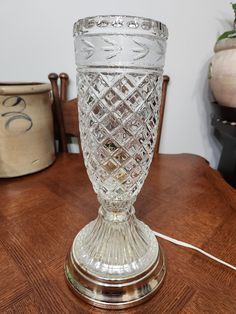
x: 115, y: 294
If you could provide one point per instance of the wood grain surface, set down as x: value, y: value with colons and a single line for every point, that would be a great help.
x: 182, y: 197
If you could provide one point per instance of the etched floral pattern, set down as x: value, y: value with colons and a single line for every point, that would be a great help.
x: 130, y: 51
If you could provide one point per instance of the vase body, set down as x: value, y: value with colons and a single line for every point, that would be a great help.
x: 26, y: 128
x: 223, y: 72
x: 115, y: 261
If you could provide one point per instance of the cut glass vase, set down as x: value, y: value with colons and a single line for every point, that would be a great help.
x: 115, y: 261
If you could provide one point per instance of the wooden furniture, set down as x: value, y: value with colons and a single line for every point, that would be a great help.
x: 182, y: 197
x: 66, y: 112
x: 166, y: 80
x: 226, y: 134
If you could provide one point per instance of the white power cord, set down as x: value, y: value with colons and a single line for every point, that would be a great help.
x: 190, y: 246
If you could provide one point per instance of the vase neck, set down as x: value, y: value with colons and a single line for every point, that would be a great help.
x: 116, y: 210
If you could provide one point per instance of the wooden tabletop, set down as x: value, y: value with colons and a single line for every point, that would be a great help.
x: 182, y: 197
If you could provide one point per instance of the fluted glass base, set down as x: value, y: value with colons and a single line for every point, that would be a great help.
x: 115, y: 261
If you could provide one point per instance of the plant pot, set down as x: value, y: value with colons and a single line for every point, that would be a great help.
x: 222, y: 74
x: 26, y: 128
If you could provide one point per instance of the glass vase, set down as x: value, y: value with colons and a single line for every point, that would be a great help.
x: 115, y: 261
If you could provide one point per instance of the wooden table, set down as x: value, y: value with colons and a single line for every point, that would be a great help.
x: 182, y: 197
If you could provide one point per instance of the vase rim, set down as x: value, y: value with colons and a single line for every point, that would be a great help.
x: 118, y: 22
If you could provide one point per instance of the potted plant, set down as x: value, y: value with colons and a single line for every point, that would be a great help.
x: 222, y: 73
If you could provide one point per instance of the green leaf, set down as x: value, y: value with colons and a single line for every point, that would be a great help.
x: 234, y: 6
x: 229, y: 34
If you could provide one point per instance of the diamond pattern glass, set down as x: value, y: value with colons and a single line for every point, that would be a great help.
x: 128, y: 124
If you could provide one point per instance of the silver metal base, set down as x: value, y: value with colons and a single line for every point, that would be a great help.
x: 115, y: 294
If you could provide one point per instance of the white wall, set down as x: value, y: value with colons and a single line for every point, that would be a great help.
x: 36, y: 38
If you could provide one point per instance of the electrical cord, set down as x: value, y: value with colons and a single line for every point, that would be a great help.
x: 190, y: 246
